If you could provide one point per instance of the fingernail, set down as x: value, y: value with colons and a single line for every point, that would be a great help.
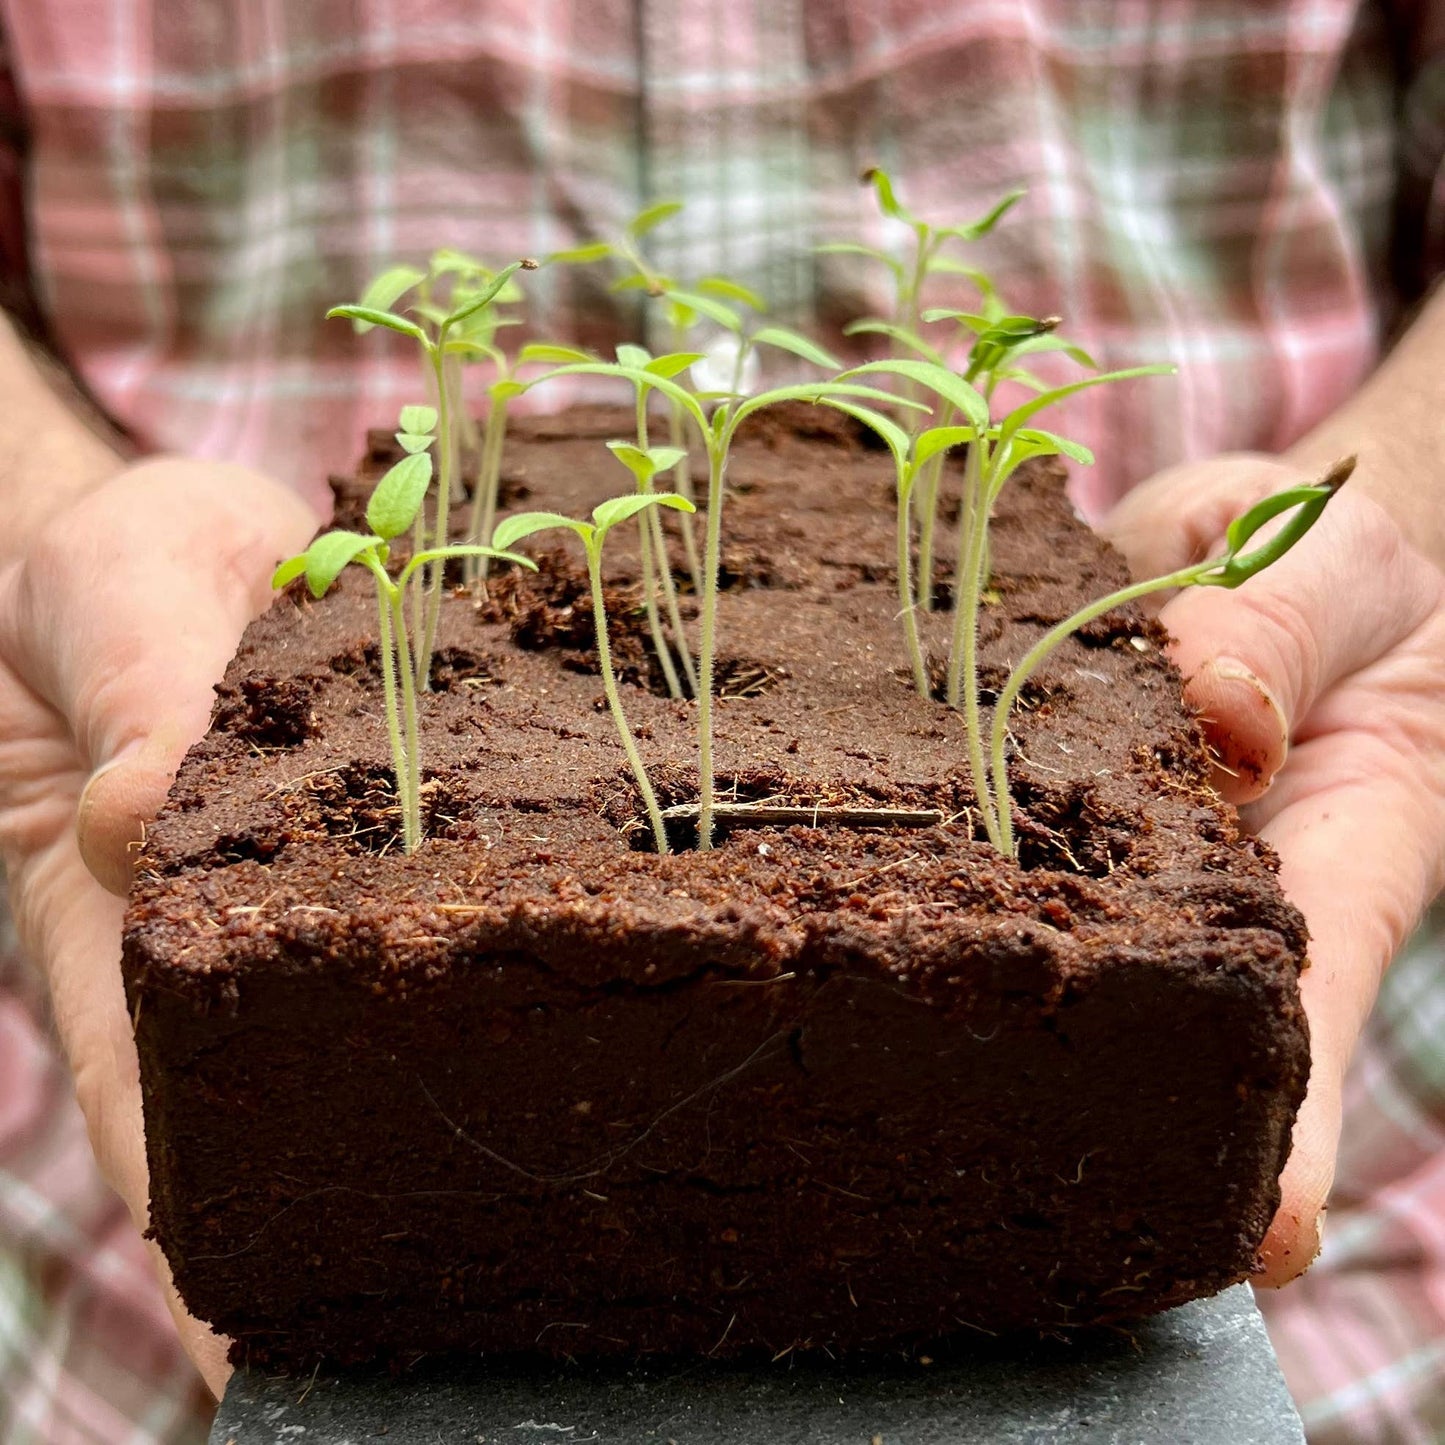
x: 1244, y: 721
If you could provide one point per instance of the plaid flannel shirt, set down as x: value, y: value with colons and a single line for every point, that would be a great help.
x: 1248, y: 188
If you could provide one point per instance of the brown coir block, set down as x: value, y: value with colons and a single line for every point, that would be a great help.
x: 537, y: 1089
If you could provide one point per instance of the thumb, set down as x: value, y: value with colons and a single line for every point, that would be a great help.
x: 125, y: 617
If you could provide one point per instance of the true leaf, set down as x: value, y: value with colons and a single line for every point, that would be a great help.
x: 971, y: 319
x: 388, y: 319
x: 328, y: 555
x: 887, y: 201
x: 413, y: 442
x: 393, y: 505
x: 618, y: 509
x: 787, y: 340
x: 1062, y: 446
x: 645, y: 220
x: 514, y: 529
x: 418, y: 419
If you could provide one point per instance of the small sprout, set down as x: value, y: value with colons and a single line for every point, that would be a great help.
x: 455, y: 336
x: 1232, y: 569
x: 604, y: 517
x: 391, y: 511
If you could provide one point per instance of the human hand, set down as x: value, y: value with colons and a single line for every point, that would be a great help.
x: 116, y: 618
x: 1321, y: 688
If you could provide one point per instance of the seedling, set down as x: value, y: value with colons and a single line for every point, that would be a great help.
x: 449, y: 340
x: 718, y: 430
x: 710, y: 298
x: 604, y: 517
x: 995, y: 453
x: 390, y: 512
x: 1231, y: 569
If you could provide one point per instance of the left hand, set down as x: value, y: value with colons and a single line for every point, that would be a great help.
x: 1321, y: 688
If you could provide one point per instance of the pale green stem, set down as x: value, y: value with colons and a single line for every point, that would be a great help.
x: 905, y: 588
x: 399, y: 759
x: 479, y: 492
x: 649, y: 597
x: 669, y: 591
x: 717, y: 463
x: 928, y: 513
x: 446, y: 462
x: 1019, y: 677
x: 614, y: 701
x: 491, y: 483
x: 650, y: 523
x: 963, y: 654
x: 411, y: 820
x: 682, y: 485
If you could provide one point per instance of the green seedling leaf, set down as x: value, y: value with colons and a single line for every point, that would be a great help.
x: 511, y: 530
x: 467, y: 549
x: 373, y: 317
x: 385, y: 290
x: 413, y: 442
x: 584, y: 255
x: 1051, y: 443
x: 939, y: 379
x: 288, y: 571
x: 1309, y: 504
x: 716, y: 311
x: 673, y: 364
x: 618, y: 509
x: 888, y: 203
x: 786, y: 339
x: 551, y: 353
x: 818, y: 392
x: 645, y: 221
x: 928, y: 444
x: 1034, y: 344
x: 489, y: 293
x: 418, y: 419
x: 893, y: 435
x: 329, y: 555
x: 730, y: 290
x: 393, y: 505
x: 970, y: 319
x: 644, y: 465
x: 639, y: 281
x: 985, y: 224
x: 1015, y: 419
x: 506, y: 389
x: 629, y: 354
x: 852, y: 248
x: 900, y: 335
x: 664, y: 459
x: 941, y: 265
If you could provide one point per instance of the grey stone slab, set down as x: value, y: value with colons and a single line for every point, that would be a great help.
x: 1203, y: 1374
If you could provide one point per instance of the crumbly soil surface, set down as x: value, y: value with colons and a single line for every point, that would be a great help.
x: 538, y: 1089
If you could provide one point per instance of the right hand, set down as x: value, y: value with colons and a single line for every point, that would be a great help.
x: 118, y: 615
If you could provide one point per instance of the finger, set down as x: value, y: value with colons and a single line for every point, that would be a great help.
x: 124, y: 617
x: 1360, y: 840
x: 1257, y: 659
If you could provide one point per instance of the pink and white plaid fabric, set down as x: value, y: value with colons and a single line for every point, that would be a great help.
x: 1248, y: 188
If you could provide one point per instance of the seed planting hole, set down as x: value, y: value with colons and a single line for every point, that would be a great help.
x: 453, y: 669
x: 357, y: 804
x: 267, y: 713
x: 1065, y: 831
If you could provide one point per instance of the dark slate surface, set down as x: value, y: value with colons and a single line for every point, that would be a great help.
x: 1201, y: 1374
